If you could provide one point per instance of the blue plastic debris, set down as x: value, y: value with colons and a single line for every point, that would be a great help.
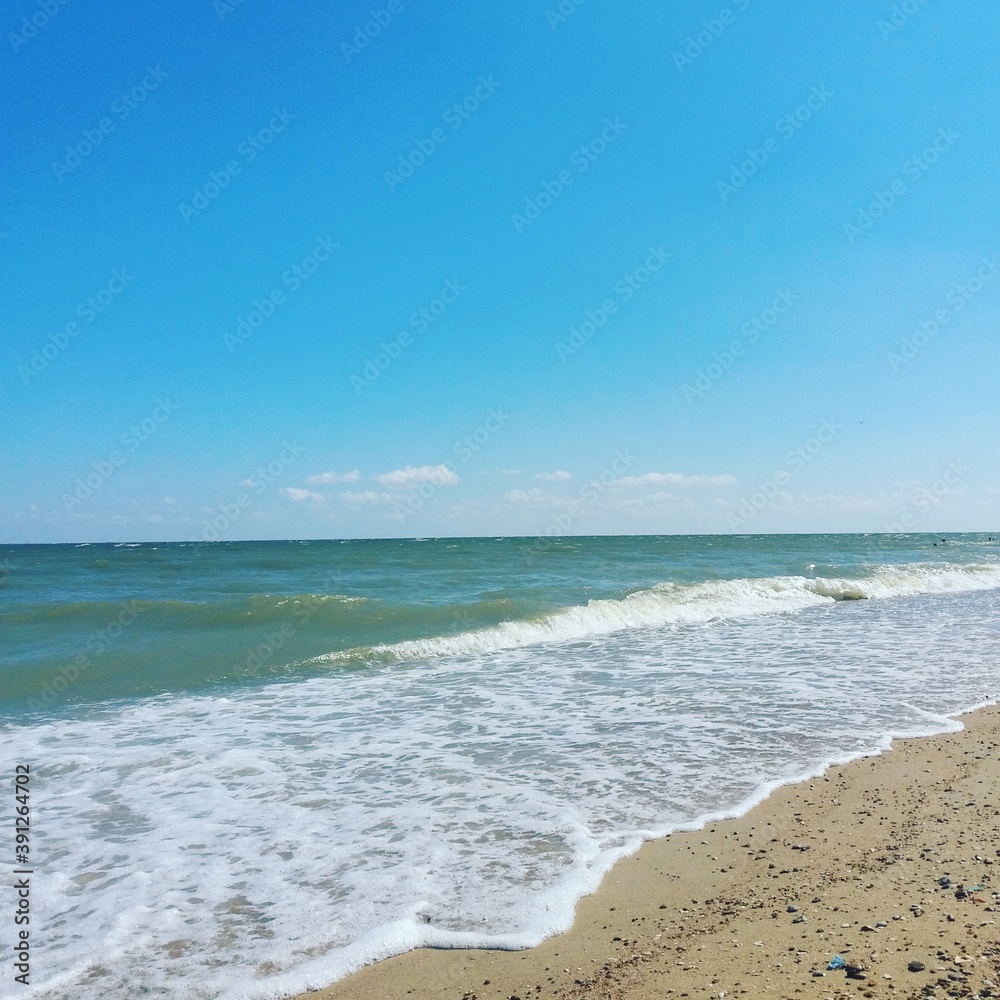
x: 836, y: 962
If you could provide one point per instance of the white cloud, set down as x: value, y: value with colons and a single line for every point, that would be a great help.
x: 676, y: 479
x: 439, y: 475
x: 367, y: 496
x: 335, y: 477
x: 554, y: 477
x: 887, y: 504
x: 535, y: 496
x: 300, y: 495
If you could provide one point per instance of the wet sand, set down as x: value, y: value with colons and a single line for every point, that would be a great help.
x: 890, y: 862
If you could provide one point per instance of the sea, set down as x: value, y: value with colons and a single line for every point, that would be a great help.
x: 256, y: 767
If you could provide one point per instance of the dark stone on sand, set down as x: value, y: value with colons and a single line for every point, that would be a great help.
x: 916, y: 966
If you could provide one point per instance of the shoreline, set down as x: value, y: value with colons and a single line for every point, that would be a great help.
x: 760, y: 904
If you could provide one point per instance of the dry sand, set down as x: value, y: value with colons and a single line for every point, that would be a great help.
x: 856, y: 863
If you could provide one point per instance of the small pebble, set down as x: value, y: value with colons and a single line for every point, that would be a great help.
x: 916, y: 966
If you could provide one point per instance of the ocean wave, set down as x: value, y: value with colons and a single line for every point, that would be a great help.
x: 257, y: 609
x: 677, y: 604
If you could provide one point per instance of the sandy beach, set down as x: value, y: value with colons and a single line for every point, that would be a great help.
x: 887, y: 862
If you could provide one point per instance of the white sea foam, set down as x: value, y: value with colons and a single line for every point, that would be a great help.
x: 322, y: 598
x: 671, y: 604
x: 276, y: 839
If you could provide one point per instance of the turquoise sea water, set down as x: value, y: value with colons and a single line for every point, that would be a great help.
x: 259, y: 765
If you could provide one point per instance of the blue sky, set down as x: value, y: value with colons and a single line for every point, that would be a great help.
x: 312, y: 271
